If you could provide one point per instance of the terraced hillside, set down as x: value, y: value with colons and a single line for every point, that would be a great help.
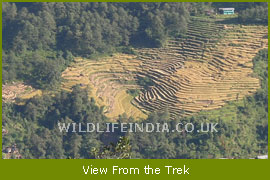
x: 18, y: 90
x: 208, y: 67
x: 108, y: 80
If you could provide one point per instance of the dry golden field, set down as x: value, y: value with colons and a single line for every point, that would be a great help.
x: 204, y: 70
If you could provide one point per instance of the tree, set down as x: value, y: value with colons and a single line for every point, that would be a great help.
x: 120, y: 150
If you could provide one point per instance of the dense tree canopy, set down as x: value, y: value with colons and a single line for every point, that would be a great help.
x: 81, y: 29
x: 257, y: 14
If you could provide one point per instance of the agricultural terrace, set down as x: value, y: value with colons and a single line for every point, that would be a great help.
x: 209, y: 66
x: 18, y: 90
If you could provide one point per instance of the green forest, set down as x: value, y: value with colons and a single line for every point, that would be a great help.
x: 40, y: 40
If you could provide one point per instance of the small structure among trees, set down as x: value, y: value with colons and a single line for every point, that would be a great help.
x: 209, y: 12
x: 226, y: 10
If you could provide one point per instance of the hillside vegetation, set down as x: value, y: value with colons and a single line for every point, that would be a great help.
x: 243, y: 127
x: 42, y: 36
x: 134, y: 62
